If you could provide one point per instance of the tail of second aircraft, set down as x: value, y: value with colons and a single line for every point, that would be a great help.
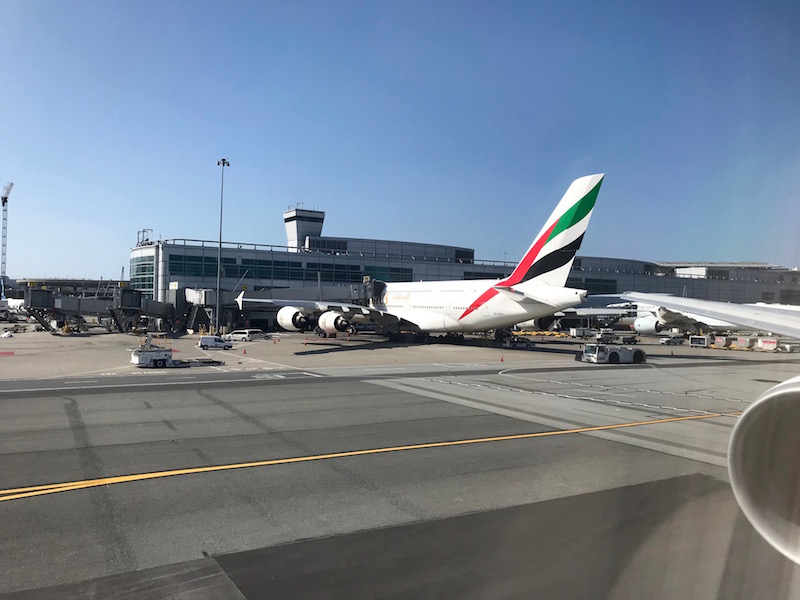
x: 549, y: 259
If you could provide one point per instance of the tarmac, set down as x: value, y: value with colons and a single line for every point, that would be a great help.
x: 349, y: 468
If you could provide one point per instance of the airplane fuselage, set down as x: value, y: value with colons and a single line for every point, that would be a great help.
x: 470, y: 305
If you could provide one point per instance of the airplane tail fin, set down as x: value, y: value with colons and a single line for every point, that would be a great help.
x: 549, y: 259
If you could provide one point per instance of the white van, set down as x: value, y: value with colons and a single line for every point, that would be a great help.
x: 245, y: 335
x: 213, y: 341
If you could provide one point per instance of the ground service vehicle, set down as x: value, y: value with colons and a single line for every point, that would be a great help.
x: 150, y: 354
x: 245, y: 335
x: 514, y: 342
x: 604, y: 353
x: 581, y: 332
x: 213, y: 341
x: 606, y: 337
x: 674, y: 340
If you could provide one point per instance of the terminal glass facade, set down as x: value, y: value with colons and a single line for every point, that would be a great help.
x: 142, y: 272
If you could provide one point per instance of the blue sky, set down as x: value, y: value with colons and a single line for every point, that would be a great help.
x: 446, y: 122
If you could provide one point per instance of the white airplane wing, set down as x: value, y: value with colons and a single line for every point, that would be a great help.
x: 591, y: 311
x: 762, y: 318
x: 354, y: 312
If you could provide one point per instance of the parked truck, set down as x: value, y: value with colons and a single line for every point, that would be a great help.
x: 612, y: 354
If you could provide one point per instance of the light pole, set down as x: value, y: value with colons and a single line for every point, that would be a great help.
x: 222, y: 162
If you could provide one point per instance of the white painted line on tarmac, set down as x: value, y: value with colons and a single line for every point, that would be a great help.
x: 612, y: 393
x: 117, y: 386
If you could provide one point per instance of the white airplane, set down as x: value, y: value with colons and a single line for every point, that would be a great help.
x: 534, y: 289
x: 653, y: 316
x: 764, y: 450
x: 14, y: 306
x: 714, y: 315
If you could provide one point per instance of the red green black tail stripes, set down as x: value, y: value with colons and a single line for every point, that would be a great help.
x: 535, y: 264
x: 531, y: 265
x: 555, y: 260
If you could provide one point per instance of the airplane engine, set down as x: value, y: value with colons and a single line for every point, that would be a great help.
x: 648, y: 325
x: 545, y: 323
x: 332, y: 322
x: 291, y: 319
x: 764, y: 466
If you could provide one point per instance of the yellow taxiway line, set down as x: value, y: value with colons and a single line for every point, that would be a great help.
x: 40, y: 490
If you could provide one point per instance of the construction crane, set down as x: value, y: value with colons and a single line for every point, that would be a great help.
x: 6, y: 193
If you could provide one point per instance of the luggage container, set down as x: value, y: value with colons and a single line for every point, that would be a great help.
x: 722, y: 341
x: 768, y: 344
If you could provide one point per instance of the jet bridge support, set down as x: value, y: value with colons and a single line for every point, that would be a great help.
x: 39, y: 304
x: 41, y: 317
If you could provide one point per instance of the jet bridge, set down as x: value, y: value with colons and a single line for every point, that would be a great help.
x: 124, y: 307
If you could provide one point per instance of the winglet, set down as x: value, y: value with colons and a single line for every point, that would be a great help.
x: 239, y: 300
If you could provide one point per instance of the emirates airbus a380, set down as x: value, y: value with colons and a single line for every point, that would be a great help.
x: 534, y: 289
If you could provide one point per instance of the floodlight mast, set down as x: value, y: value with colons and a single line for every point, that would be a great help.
x: 222, y: 162
x: 6, y: 194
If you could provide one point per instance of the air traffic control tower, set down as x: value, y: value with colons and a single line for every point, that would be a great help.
x: 302, y: 224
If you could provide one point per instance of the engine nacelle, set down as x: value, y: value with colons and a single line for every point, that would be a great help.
x: 545, y: 323
x: 764, y: 466
x: 332, y: 322
x: 648, y: 325
x: 291, y: 319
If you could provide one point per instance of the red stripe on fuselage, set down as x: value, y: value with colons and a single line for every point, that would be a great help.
x: 528, y: 259
x: 517, y: 275
x: 484, y: 297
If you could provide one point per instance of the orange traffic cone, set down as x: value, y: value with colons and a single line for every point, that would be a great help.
x: 501, y: 358
x: 244, y: 351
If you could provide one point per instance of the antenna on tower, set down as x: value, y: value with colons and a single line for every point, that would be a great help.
x: 6, y: 193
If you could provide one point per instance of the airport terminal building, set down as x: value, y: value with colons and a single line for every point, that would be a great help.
x: 308, y: 260
x: 311, y: 266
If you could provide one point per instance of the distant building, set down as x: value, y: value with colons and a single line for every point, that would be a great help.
x: 721, y: 281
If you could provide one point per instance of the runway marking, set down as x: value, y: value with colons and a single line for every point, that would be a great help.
x: 53, y: 488
x: 289, y: 375
x: 687, y: 393
x: 113, y: 386
x: 606, y: 400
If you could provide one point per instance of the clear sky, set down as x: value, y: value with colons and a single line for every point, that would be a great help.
x: 445, y: 122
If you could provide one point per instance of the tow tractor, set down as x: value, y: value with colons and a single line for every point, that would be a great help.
x: 150, y: 354
x: 604, y: 353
